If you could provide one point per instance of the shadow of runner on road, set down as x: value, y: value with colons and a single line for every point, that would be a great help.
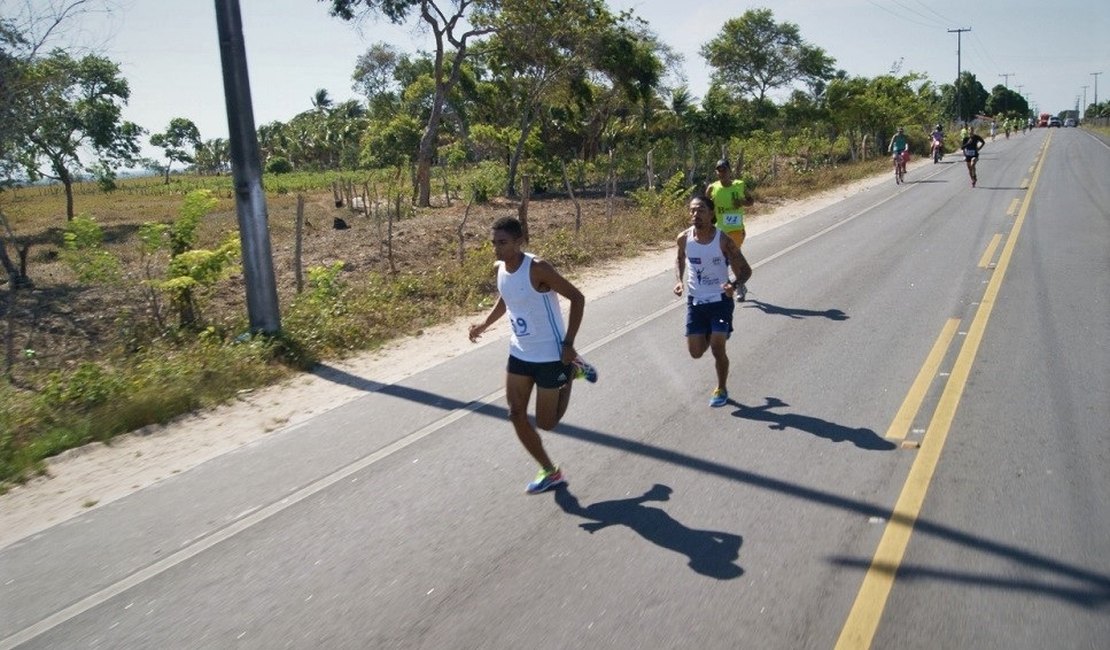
x: 1092, y: 590
x: 711, y: 553
x: 794, y: 312
x: 862, y: 438
x: 344, y: 378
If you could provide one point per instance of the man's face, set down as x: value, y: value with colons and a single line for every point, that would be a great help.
x: 700, y: 216
x: 723, y: 174
x: 505, y: 246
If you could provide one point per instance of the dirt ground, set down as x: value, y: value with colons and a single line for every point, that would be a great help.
x: 97, y: 474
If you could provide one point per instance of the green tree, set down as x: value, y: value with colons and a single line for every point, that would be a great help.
x: 321, y: 100
x: 75, y: 108
x: 375, y: 77
x: 753, y: 55
x: 180, y: 133
x: 213, y: 156
x: 447, y: 29
x: 390, y: 142
x: 539, y: 53
x: 967, y: 98
x: 868, y: 110
x: 1003, y: 101
x: 13, y: 89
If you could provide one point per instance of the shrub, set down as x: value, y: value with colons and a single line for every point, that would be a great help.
x: 84, y: 254
x: 86, y: 386
x: 279, y: 165
x: 487, y: 179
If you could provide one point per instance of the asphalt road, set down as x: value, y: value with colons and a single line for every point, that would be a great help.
x: 915, y: 456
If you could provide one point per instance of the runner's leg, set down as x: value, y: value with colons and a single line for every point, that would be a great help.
x: 518, y: 391
x: 717, y: 343
x: 551, y: 405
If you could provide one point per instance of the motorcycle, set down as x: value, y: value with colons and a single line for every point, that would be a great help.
x: 938, y: 151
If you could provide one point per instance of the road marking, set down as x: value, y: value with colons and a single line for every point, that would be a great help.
x: 1024, y: 184
x: 1092, y: 136
x: 912, y: 403
x: 1013, y: 207
x: 988, y: 254
x: 863, y: 619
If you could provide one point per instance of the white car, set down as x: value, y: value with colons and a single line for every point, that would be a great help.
x: 1070, y: 122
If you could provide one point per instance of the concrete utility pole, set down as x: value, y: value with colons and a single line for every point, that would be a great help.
x: 1006, y: 76
x: 246, y: 170
x: 959, y: 70
x: 1084, y: 102
x: 1095, y: 75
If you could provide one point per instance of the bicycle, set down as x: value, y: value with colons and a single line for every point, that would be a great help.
x: 900, y: 167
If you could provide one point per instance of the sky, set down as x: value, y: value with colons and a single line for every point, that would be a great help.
x: 169, y: 53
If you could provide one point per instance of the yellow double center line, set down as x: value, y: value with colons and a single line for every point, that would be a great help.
x: 863, y: 620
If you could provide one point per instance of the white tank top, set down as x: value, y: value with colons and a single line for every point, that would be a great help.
x: 706, y: 268
x: 535, y: 317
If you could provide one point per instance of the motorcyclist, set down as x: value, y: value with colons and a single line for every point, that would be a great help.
x: 938, y: 142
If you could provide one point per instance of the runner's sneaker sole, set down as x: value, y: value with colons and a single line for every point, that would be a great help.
x: 543, y: 483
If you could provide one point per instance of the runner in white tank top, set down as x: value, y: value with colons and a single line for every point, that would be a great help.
x: 534, y: 316
x: 702, y: 264
x: 541, y: 349
x: 708, y: 269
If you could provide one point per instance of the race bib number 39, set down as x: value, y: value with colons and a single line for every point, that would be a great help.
x: 520, y: 327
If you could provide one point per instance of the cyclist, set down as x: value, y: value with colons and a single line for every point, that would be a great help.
x: 899, y: 147
x: 971, y: 145
x: 937, y: 138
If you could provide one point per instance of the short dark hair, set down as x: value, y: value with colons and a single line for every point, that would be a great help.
x: 704, y: 199
x: 510, y: 225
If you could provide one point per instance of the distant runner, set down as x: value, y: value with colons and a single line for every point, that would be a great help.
x: 704, y: 258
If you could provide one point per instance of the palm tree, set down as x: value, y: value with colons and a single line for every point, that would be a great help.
x: 321, y: 100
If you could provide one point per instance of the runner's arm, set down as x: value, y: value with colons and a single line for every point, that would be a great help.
x: 497, y: 312
x: 740, y: 267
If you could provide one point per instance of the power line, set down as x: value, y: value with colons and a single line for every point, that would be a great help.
x: 897, y: 15
x: 1006, y: 76
x: 982, y: 49
x: 944, y: 19
x: 929, y: 18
